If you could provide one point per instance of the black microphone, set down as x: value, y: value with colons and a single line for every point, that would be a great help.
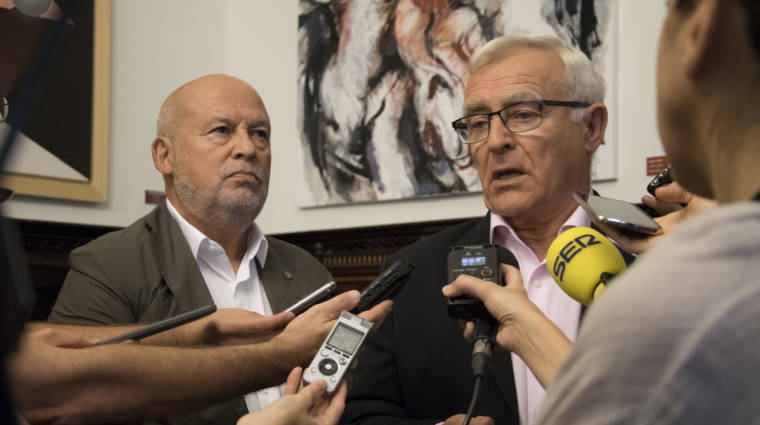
x: 482, y: 346
x: 483, y: 262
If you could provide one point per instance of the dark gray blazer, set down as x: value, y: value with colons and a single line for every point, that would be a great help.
x: 146, y: 272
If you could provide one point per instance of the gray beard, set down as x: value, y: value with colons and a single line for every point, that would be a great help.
x: 215, y: 209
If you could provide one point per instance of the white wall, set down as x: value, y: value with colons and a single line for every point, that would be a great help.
x: 158, y: 45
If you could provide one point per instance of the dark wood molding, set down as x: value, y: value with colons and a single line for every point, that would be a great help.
x: 46, y: 247
x: 354, y: 256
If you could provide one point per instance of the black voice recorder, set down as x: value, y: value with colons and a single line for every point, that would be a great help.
x: 482, y: 262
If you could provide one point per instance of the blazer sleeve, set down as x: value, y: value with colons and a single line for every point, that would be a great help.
x: 91, y: 295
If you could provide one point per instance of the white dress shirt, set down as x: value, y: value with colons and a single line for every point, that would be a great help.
x: 228, y: 289
x: 547, y: 296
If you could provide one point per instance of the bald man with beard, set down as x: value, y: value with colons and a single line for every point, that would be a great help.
x: 202, y: 244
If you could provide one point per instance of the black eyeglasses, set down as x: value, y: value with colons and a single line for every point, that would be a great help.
x: 517, y: 118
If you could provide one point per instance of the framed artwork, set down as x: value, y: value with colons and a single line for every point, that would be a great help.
x: 379, y: 83
x: 63, y: 151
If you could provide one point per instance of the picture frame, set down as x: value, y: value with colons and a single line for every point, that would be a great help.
x: 92, y: 185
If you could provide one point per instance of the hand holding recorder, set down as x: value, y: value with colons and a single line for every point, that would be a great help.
x: 522, y: 328
x: 308, y: 405
x: 305, y: 334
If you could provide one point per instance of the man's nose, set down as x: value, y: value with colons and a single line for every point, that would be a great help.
x: 499, y: 137
x: 244, y: 145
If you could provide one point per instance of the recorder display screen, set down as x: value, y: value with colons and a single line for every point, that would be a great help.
x: 345, y: 338
x: 473, y: 261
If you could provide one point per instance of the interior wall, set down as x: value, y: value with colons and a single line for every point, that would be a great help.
x: 157, y: 46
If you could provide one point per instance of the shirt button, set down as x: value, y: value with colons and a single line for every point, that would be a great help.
x: 537, y: 283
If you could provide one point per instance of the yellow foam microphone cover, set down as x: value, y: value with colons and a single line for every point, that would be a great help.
x: 577, y: 259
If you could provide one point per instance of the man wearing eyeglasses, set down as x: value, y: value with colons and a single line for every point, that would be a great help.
x: 533, y: 118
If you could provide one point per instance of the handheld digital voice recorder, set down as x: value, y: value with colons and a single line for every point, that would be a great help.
x: 338, y: 351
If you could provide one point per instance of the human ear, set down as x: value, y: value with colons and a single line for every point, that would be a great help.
x: 595, y: 123
x: 701, y: 43
x: 162, y: 151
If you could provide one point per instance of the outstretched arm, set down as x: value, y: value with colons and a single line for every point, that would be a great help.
x: 225, y: 327
x: 126, y: 382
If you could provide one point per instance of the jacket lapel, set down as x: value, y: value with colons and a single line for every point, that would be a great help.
x: 176, y: 262
x: 277, y: 281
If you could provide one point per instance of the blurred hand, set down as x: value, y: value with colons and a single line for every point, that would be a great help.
x: 59, y: 338
x: 234, y: 326
x: 668, y: 202
x: 305, y: 334
x: 478, y: 420
x: 307, y: 406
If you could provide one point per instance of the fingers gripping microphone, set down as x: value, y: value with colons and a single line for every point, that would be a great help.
x: 581, y: 260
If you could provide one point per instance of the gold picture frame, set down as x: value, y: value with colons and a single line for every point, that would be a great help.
x: 95, y: 188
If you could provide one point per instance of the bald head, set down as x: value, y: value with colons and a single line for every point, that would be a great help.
x: 185, y: 100
x: 213, y: 151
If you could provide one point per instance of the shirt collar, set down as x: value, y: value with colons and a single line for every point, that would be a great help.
x: 578, y: 218
x: 257, y: 242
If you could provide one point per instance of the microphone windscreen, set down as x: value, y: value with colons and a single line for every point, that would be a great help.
x: 577, y: 259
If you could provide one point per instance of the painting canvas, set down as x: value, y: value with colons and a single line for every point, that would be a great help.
x: 379, y: 83
x: 63, y: 150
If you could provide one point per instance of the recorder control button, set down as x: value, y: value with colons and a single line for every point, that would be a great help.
x: 333, y: 379
x: 328, y: 367
x: 325, y: 353
x: 486, y: 272
x: 342, y: 360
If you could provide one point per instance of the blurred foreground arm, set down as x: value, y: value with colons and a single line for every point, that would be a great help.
x: 224, y: 327
x: 128, y: 382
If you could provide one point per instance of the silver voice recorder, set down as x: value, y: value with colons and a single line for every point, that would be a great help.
x: 338, y: 351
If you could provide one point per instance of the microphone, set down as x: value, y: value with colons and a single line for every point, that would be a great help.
x: 581, y: 260
x: 483, y: 262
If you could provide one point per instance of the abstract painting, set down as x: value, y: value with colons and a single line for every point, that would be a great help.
x: 379, y: 83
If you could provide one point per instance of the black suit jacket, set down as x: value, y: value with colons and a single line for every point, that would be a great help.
x: 416, y: 368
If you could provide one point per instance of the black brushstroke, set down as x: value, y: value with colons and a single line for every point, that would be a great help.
x: 319, y: 25
x: 585, y: 34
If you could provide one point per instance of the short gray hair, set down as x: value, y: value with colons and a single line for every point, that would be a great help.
x: 582, y: 81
